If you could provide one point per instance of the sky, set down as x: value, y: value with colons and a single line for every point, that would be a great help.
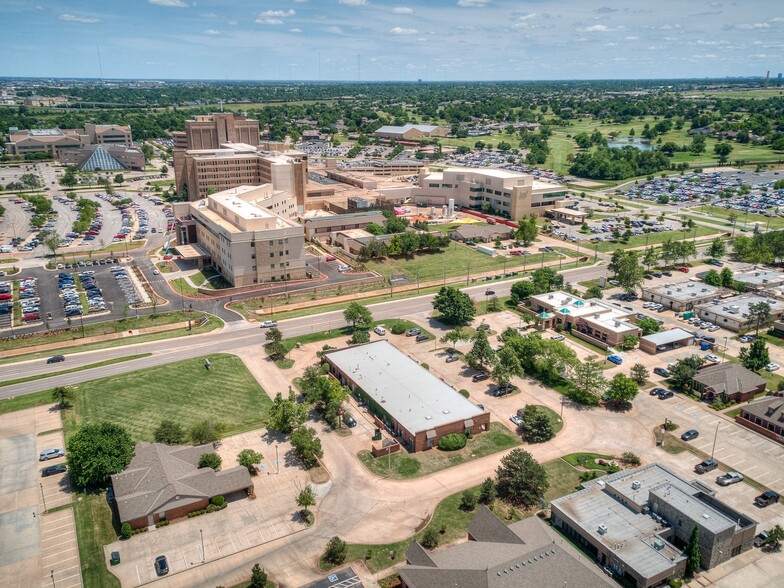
x: 376, y: 40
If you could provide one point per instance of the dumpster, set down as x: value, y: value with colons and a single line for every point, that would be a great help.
x: 115, y: 559
x: 705, y: 346
x: 688, y: 314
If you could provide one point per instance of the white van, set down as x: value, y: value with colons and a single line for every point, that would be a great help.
x: 6, y: 249
x: 380, y: 330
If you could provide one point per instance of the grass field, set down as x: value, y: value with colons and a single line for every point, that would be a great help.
x: 555, y: 420
x: 404, y: 465
x: 183, y: 391
x: 744, y: 219
x: 658, y: 238
x: 94, y: 529
x: 180, y: 286
x: 72, y: 370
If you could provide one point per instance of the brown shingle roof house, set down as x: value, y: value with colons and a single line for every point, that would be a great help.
x: 526, y: 553
x: 166, y: 482
x: 738, y: 383
x: 765, y: 416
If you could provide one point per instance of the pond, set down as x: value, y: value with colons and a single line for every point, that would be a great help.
x: 640, y: 144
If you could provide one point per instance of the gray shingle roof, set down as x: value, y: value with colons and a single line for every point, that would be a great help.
x: 728, y: 378
x: 159, y: 474
x: 769, y: 409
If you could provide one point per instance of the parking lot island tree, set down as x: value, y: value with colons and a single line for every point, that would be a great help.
x: 455, y: 306
x: 336, y: 551
x: 258, y: 577
x: 482, y: 356
x: 307, y: 446
x: 755, y: 356
x: 520, y: 479
x: 536, y: 426
x: 639, y: 373
x: 96, y: 451
x: 248, y: 458
x: 305, y: 499
x: 286, y: 414
x: 622, y: 390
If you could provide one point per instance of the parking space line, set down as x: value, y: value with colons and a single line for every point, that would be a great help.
x: 752, y: 468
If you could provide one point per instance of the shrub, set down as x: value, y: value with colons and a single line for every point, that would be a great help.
x: 464, y: 393
x: 335, y: 552
x: 397, y: 328
x: 468, y: 501
x: 630, y: 458
x: 210, y: 460
x: 126, y: 531
x: 160, y: 524
x: 359, y: 337
x: 212, y: 507
x: 425, y: 366
x: 430, y: 539
x: 218, y: 500
x: 673, y: 583
x: 452, y: 442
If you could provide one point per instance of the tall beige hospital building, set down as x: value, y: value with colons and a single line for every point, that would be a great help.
x: 220, y: 151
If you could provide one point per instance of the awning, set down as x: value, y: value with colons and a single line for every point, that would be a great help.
x: 431, y: 434
x: 468, y: 423
x: 194, y: 251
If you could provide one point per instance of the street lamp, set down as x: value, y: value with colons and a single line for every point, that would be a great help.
x: 203, y: 555
x: 43, y: 498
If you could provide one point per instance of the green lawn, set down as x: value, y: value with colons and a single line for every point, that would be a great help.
x: 657, y: 238
x: 403, y: 465
x: 588, y: 461
x: 180, y: 286
x: 555, y: 420
x: 104, y: 328
x: 183, y: 391
x: 563, y: 477
x: 76, y: 369
x: 774, y: 222
x: 94, y: 529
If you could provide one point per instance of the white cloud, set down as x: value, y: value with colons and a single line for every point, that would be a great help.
x: 778, y: 19
x: 632, y: 38
x: 212, y: 32
x: 208, y: 15
x: 278, y: 13
x: 170, y: 3
x: 295, y: 30
x: 353, y: 2
x: 528, y: 16
x: 599, y: 28
x: 335, y: 30
x: 402, y: 10
x: 473, y: 3
x: 269, y: 21
x: 39, y: 8
x: 755, y: 25
x: 232, y: 23
x: 79, y: 19
x: 402, y: 31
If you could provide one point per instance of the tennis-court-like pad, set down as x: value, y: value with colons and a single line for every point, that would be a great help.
x: 19, y: 536
x: 19, y: 459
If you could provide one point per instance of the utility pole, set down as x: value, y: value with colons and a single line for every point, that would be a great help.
x: 715, y: 437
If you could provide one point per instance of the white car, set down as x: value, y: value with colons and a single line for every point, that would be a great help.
x: 713, y: 358
x: 268, y: 324
x: 557, y: 337
x: 379, y: 330
x: 516, y: 420
x: 772, y: 367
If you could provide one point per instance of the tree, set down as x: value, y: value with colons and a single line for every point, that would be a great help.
x: 164, y: 169
x: 683, y: 372
x: 456, y: 307
x: 775, y: 536
x: 63, y: 396
x: 595, y: 291
x: 52, y: 241
x: 119, y: 179
x: 467, y: 501
x: 536, y: 426
x: 306, y: 498
x: 650, y: 257
x: 336, y: 551
x: 274, y: 335
x: 454, y: 337
x: 507, y: 366
x: 722, y: 150
x: 521, y: 291
x: 732, y: 217
x: 258, y: 577
x: 207, y: 431
x: 526, y: 230
x: 627, y: 269
x: 546, y: 279
x: 712, y: 278
x: 286, y: 414
x: 622, y: 389
x: 358, y: 315
x: 276, y: 350
x: 755, y: 356
x: 693, y: 555
x: 717, y: 249
x: 727, y: 278
x: 211, y: 460
x: 587, y: 382
x: 629, y: 342
x: 375, y: 229
x: 96, y: 451
x: 520, y: 479
x: 307, y: 446
x: 759, y: 314
x: 487, y: 492
x: 169, y: 432
x: 649, y: 325
x: 248, y: 458
x: 639, y: 373
x: 481, y: 355
x: 430, y: 538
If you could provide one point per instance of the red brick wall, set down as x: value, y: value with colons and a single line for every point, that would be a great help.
x: 759, y: 429
x: 420, y: 443
x: 181, y: 511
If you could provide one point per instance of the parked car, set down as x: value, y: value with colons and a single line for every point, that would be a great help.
x: 489, y: 292
x: 52, y: 470
x: 661, y: 372
x: 761, y: 539
x: 451, y: 358
x: 616, y: 359
x: 518, y: 422
x: 56, y: 359
x: 557, y: 337
x: 268, y: 324
x: 50, y: 454
x: 690, y: 434
x: 349, y: 420
x: 729, y: 478
x: 657, y: 391
x: 413, y: 332
x: 666, y: 394
x: 706, y: 465
x: 772, y: 367
x: 379, y: 330
x: 713, y: 358
x: 480, y: 377
x: 746, y: 339
x: 684, y: 269
x: 420, y: 338
x: 161, y: 565
x: 502, y: 390
x: 766, y: 499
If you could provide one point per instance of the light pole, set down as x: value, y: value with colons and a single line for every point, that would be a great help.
x: 715, y: 437
x: 277, y: 461
x: 43, y: 498
x: 203, y: 555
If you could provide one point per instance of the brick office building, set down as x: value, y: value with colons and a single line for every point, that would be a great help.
x: 416, y: 406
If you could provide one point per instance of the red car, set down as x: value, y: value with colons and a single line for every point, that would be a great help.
x: 6, y: 296
x: 330, y: 258
x: 120, y: 236
x: 30, y: 317
x: 685, y: 270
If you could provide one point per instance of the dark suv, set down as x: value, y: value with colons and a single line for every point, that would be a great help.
x: 766, y: 499
x: 502, y: 390
x: 480, y: 377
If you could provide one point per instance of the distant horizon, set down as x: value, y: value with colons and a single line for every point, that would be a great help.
x: 381, y: 40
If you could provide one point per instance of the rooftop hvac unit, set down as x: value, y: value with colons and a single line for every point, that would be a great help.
x: 658, y: 544
x: 602, y: 529
x: 635, y: 485
x: 669, y: 292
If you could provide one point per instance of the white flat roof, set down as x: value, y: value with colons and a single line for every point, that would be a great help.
x: 667, y: 337
x: 410, y: 394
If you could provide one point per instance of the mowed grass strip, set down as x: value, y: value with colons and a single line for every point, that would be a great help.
x: 94, y: 529
x: 89, y: 366
x: 185, y: 392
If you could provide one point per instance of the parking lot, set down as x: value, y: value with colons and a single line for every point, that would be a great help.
x: 243, y: 524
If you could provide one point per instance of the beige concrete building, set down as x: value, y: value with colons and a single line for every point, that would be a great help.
x: 200, y: 171
x: 105, y: 157
x: 324, y: 226
x: 45, y: 101
x: 210, y: 131
x: 408, y: 132
x: 238, y: 235
x: 509, y: 194
x: 55, y: 141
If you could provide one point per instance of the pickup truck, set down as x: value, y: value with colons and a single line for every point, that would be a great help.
x: 729, y: 478
x: 706, y: 465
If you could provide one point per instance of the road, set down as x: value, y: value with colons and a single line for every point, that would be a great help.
x: 226, y: 340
